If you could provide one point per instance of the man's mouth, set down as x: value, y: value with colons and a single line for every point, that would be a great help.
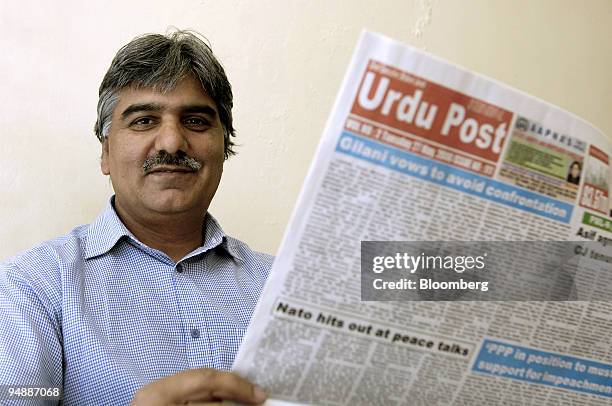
x: 170, y: 169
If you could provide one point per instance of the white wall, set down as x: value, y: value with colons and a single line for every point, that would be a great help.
x: 285, y: 60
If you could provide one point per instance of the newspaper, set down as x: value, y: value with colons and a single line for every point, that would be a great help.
x: 418, y: 149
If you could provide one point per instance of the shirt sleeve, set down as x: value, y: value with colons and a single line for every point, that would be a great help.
x: 30, y: 330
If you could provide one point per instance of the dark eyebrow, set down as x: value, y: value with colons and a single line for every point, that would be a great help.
x: 135, y: 108
x: 203, y: 109
x: 155, y: 107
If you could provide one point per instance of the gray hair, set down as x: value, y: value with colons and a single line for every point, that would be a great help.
x: 161, y: 61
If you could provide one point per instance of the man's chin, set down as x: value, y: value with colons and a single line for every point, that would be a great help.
x: 172, y: 202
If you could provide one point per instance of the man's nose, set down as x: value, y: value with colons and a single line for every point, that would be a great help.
x: 171, y: 137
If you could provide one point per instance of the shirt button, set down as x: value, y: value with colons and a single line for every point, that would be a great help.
x: 179, y: 268
x: 195, y: 333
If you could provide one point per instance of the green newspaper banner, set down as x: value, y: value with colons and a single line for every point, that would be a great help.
x: 597, y: 221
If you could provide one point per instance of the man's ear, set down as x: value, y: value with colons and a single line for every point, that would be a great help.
x: 104, y: 164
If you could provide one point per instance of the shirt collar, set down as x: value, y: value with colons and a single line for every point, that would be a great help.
x: 107, y: 229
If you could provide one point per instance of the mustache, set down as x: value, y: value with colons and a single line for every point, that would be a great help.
x: 163, y: 158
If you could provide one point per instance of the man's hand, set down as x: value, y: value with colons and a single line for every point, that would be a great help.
x: 198, y: 387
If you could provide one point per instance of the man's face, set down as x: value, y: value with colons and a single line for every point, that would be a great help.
x: 144, y: 123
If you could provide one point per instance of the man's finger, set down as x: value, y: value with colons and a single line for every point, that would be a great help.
x: 205, y: 404
x: 230, y: 386
x: 210, y: 385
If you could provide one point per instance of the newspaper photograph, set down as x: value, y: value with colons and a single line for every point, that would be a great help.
x: 416, y: 150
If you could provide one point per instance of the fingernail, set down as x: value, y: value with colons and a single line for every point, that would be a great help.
x: 259, y: 394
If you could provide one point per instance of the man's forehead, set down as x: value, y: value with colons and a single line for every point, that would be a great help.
x: 187, y: 92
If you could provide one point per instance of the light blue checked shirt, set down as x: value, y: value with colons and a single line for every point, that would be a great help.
x: 100, y: 314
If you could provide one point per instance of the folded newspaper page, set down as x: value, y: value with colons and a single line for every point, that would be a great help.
x: 450, y: 246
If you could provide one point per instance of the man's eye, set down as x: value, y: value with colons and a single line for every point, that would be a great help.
x: 196, y: 123
x: 143, y: 122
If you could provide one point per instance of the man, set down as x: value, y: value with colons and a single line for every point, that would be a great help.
x: 147, y: 304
